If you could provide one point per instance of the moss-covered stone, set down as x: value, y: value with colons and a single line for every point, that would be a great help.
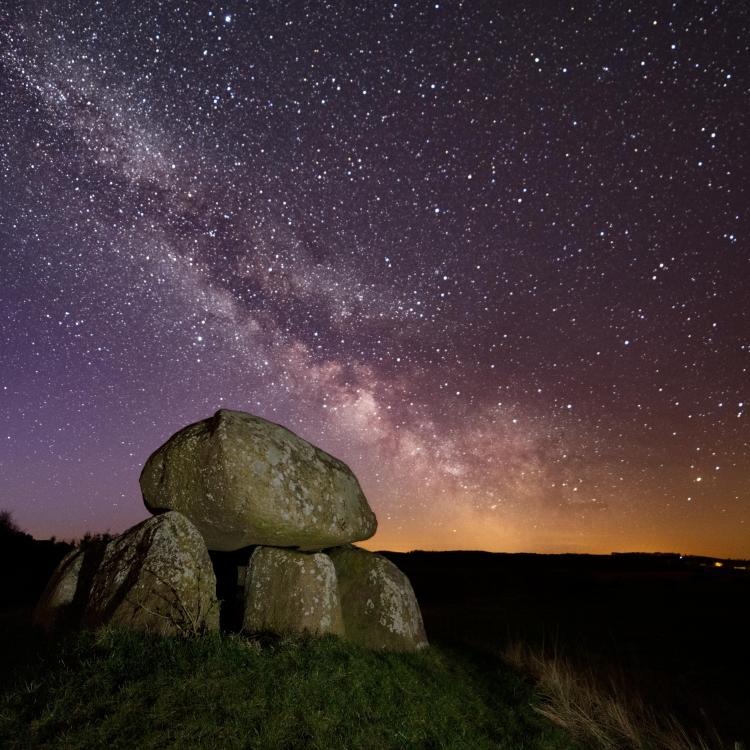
x: 378, y: 603
x: 156, y: 577
x: 287, y: 592
x: 242, y: 480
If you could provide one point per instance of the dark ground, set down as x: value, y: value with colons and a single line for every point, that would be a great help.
x: 676, y: 630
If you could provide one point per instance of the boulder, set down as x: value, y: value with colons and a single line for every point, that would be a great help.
x: 378, y: 603
x: 245, y: 481
x: 288, y: 591
x: 64, y: 599
x: 55, y: 606
x: 156, y: 577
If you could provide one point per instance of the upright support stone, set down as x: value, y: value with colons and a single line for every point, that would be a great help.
x: 288, y: 592
x: 377, y: 601
x: 55, y: 608
x: 66, y: 595
x: 156, y: 577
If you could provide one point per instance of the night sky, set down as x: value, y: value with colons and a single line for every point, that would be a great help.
x: 494, y: 256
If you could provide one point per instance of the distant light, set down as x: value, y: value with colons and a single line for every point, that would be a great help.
x: 227, y: 18
x: 718, y: 564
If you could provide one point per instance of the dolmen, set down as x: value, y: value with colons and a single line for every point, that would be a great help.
x: 233, y: 482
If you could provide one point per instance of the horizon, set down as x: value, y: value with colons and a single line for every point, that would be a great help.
x: 372, y: 546
x: 496, y: 265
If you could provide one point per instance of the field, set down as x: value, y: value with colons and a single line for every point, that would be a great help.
x: 655, y: 632
x: 609, y: 647
x: 120, y: 690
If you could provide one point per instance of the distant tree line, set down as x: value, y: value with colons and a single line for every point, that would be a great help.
x: 26, y: 564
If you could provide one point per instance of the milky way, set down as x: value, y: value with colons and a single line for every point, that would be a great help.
x: 493, y: 257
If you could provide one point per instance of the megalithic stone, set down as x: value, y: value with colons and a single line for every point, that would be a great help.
x: 377, y: 601
x: 291, y: 592
x: 156, y: 577
x: 243, y: 480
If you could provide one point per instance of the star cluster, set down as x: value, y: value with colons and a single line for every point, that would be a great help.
x: 494, y: 257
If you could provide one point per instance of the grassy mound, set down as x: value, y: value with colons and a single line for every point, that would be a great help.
x: 117, y: 689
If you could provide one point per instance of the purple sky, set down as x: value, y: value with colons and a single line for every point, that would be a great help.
x: 493, y: 257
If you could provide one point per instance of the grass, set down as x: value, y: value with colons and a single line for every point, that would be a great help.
x: 117, y: 689
x: 605, y: 713
x: 629, y: 651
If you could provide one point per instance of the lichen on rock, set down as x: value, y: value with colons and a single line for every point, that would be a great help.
x: 288, y: 591
x: 243, y: 481
x: 378, y: 603
x: 156, y: 577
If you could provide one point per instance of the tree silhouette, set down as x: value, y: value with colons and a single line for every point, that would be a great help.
x: 8, y: 525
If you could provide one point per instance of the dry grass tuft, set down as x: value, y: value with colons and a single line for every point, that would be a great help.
x: 604, y: 714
